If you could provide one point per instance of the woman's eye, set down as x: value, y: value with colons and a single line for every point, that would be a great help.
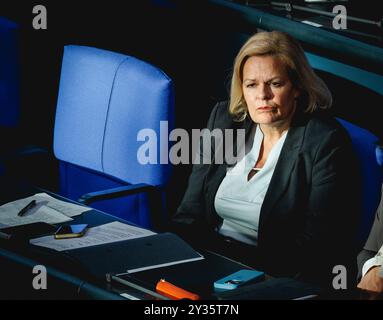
x: 250, y: 85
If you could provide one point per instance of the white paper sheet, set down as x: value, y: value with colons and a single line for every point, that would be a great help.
x: 107, y: 233
x: 47, y: 209
x: 67, y: 208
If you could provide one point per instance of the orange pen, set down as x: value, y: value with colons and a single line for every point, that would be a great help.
x: 173, y: 292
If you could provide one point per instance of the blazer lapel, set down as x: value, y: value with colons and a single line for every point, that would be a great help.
x: 287, y: 159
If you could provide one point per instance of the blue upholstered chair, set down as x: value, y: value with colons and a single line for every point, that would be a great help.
x: 105, y: 99
x: 9, y: 74
x: 9, y: 85
x: 16, y: 157
x: 370, y: 158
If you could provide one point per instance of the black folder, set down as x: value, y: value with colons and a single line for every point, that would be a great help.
x: 22, y: 233
x: 135, y: 255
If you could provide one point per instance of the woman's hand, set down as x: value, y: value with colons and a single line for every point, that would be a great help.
x: 372, y: 283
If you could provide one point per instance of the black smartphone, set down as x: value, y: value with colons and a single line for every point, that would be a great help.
x: 71, y: 231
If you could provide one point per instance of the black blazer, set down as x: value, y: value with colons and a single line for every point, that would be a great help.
x: 375, y: 239
x: 309, y: 214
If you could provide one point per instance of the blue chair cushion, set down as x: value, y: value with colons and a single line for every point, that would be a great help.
x: 133, y: 208
x: 379, y: 155
x: 9, y: 74
x: 364, y: 143
x: 104, y: 100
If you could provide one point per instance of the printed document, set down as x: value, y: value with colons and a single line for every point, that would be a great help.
x: 107, y: 233
x: 47, y: 209
x: 67, y: 208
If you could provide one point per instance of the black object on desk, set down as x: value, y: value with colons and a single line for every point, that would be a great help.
x: 133, y: 255
x: 196, y: 276
x: 27, y: 231
x: 273, y: 289
x: 28, y: 207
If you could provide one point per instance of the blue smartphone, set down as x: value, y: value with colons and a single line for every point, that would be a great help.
x: 238, y: 278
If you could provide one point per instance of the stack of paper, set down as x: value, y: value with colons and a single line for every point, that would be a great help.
x: 47, y: 209
x: 107, y: 233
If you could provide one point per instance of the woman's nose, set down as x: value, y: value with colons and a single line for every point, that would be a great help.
x: 264, y: 92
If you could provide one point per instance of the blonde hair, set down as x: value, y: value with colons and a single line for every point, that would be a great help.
x: 314, y: 93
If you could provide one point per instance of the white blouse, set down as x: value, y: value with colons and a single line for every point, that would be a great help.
x: 374, y: 262
x: 238, y: 201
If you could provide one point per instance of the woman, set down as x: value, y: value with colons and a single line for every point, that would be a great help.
x: 292, y: 210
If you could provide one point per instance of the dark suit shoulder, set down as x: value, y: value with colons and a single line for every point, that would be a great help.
x: 320, y: 125
x: 222, y: 117
x: 324, y: 122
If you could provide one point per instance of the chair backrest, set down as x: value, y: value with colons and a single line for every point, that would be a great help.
x: 9, y: 74
x: 105, y: 99
x: 9, y: 89
x: 379, y: 155
x: 365, y: 146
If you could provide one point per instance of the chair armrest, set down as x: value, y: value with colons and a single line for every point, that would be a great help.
x: 115, y: 193
x: 30, y: 150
